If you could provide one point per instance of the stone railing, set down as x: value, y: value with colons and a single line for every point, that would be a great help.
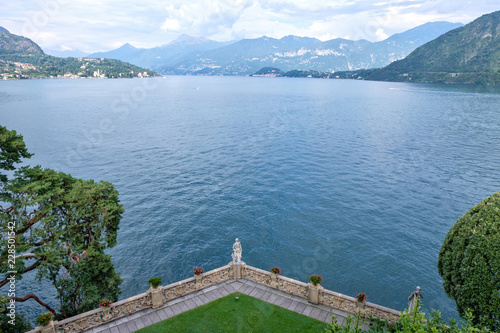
x: 275, y: 281
x: 351, y: 305
x: 156, y: 297
x: 149, y: 299
x: 94, y: 318
x: 326, y: 297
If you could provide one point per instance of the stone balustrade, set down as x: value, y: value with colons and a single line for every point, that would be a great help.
x: 351, y: 305
x: 326, y: 297
x: 155, y: 298
x: 275, y: 281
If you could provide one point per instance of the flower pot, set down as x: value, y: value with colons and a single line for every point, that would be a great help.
x: 360, y: 305
x: 313, y: 293
x: 49, y: 328
x: 106, y: 314
x: 274, y: 280
x: 157, y: 298
x: 198, y: 278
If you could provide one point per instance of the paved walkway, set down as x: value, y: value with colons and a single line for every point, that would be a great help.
x: 148, y: 317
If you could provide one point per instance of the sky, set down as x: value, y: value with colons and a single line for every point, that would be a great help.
x: 103, y: 25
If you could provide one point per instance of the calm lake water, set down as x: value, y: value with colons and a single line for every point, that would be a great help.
x: 358, y: 181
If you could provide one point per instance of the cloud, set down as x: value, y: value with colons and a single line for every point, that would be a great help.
x: 203, y: 17
x: 96, y: 25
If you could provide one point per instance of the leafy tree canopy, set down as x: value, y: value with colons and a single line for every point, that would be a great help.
x: 469, y: 262
x: 12, y: 150
x: 58, y: 226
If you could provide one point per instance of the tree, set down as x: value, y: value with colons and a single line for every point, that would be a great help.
x: 469, y: 262
x: 59, y: 226
x: 12, y: 150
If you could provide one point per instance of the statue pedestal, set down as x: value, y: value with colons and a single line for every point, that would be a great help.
x: 49, y: 328
x: 360, y: 306
x: 156, y: 297
x: 313, y: 293
x: 198, y: 281
x: 274, y: 280
x: 237, y: 269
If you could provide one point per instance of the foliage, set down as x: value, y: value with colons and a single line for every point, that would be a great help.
x: 469, y: 262
x: 198, y: 270
x: 12, y: 150
x: 351, y: 324
x: 361, y: 297
x: 155, y: 281
x: 245, y: 314
x: 20, y: 324
x: 106, y: 303
x: 58, y: 226
x: 93, y: 277
x: 47, y: 66
x: 276, y: 270
x: 409, y: 322
x: 44, y: 318
x: 316, y: 279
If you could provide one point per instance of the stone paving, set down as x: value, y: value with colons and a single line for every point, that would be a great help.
x: 148, y: 317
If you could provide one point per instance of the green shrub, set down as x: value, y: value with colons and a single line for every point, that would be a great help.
x: 469, y: 262
x: 316, y: 279
x: 409, y: 322
x: 44, y: 318
x: 155, y: 281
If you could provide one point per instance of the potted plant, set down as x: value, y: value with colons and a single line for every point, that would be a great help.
x: 313, y: 289
x: 44, y: 319
x: 106, y: 303
x: 276, y: 270
x: 361, y: 297
x: 157, y: 298
x: 315, y: 279
x: 198, y: 270
x: 154, y: 282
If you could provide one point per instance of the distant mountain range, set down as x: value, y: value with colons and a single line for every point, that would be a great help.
x: 201, y: 56
x: 470, y: 54
x: 433, y: 52
x: 64, y: 54
x: 21, y: 58
x: 157, y: 57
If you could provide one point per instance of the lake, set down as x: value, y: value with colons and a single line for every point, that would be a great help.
x: 358, y: 181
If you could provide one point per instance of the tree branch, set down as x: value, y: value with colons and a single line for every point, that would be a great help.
x: 27, y: 297
x: 30, y: 223
x: 27, y: 255
x: 32, y: 267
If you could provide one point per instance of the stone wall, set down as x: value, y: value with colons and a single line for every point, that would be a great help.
x: 157, y: 297
x: 326, y: 297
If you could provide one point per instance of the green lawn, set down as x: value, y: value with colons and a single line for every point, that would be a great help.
x: 247, y: 314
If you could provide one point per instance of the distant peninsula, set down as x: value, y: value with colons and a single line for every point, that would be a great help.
x: 21, y: 58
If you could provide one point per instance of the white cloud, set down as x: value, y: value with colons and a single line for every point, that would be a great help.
x: 203, y: 17
x: 98, y: 25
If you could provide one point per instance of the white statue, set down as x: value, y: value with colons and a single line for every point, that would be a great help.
x: 412, y: 300
x: 237, y: 251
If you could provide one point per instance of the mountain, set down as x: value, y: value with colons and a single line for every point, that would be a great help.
x: 125, y: 52
x: 202, y: 56
x: 158, y: 56
x: 10, y: 43
x: 469, y: 54
x: 301, y: 53
x: 21, y: 58
x: 399, y: 45
x: 472, y: 48
x: 64, y: 54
